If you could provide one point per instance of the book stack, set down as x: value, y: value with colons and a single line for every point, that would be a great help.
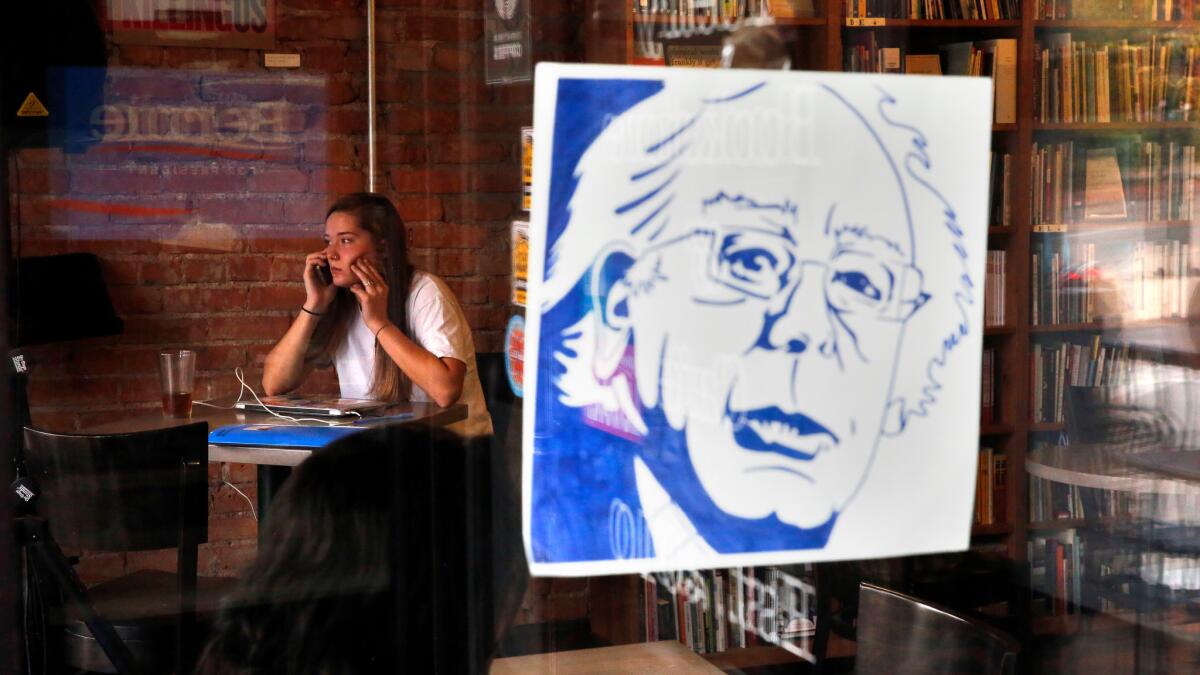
x: 716, y: 610
x: 1154, y: 10
x: 1056, y: 573
x: 1055, y: 366
x: 1051, y: 500
x: 727, y: 10
x: 991, y: 487
x: 979, y: 10
x: 988, y: 398
x: 1116, y: 81
x: 1121, y: 180
x: 1000, y: 189
x: 994, y: 286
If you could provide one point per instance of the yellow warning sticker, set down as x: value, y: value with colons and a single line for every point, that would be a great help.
x: 32, y: 107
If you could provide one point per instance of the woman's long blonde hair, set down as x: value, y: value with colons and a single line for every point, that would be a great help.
x: 375, y: 214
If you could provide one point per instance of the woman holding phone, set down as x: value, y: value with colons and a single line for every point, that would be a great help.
x: 394, y: 333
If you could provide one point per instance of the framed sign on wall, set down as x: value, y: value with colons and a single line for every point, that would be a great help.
x: 238, y: 24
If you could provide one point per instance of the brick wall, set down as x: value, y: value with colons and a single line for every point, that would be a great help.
x: 209, y: 182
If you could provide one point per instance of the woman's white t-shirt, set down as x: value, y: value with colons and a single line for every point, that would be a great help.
x: 435, y: 322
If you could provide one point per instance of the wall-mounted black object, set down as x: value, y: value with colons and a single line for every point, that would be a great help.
x: 54, y: 50
x: 63, y: 297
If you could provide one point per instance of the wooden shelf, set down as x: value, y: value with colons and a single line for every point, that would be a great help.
x: 1010, y: 126
x: 999, y: 330
x: 751, y: 657
x: 991, y: 530
x: 1100, y: 226
x: 704, y: 21
x: 873, y: 22
x: 995, y: 429
x: 1092, y: 327
x: 1000, y: 230
x: 1058, y: 524
x: 1111, y: 24
x: 1116, y: 127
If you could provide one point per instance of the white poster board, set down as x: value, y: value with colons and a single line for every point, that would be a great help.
x: 755, y: 317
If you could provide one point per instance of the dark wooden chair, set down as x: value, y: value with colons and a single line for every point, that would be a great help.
x: 119, y: 493
x: 899, y: 634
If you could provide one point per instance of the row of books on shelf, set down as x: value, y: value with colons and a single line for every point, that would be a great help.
x: 716, y: 610
x: 1117, y: 81
x: 1056, y: 366
x: 996, y: 59
x: 991, y: 492
x: 1056, y: 573
x: 1123, y: 179
x: 1050, y: 500
x: 1153, y: 10
x: 1154, y: 280
x: 725, y: 9
x: 980, y: 10
x: 988, y: 396
x: 995, y: 283
x: 1000, y: 189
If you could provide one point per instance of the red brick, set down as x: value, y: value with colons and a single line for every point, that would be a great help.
x: 226, y: 560
x: 43, y: 180
x: 506, y: 179
x: 333, y: 27
x: 516, y: 94
x: 337, y: 181
x: 428, y: 180
x: 410, y: 121
x: 201, y: 178
x: 419, y: 208
x: 479, y: 118
x: 275, y: 297
x: 214, y: 473
x: 328, y: 57
x: 219, y: 357
x: 240, y: 473
x: 499, y: 289
x: 456, y: 263
x: 116, y: 360
x: 344, y: 119
x: 422, y: 259
x: 159, y: 272
x: 443, y: 29
x: 189, y: 299
x: 254, y: 327
x: 454, y: 89
x: 326, y: 5
x: 400, y: 150
x: 338, y: 91
x: 240, y: 209
x: 118, y: 272
x: 339, y: 151
x: 163, y: 560
x: 144, y: 87
x: 495, y: 262
x: 55, y: 420
x: 204, y: 269
x: 137, y: 300
x: 394, y: 90
x: 73, y: 391
x: 451, y: 57
x: 410, y: 57
x: 97, y: 181
x: 280, y: 180
x: 250, y: 268
x: 178, y: 57
x: 140, y: 55
x: 308, y: 210
x: 141, y: 389
x: 460, y: 150
x: 285, y: 268
x: 296, y: 241
x: 238, y: 528
x: 447, y: 235
x: 159, y: 330
x: 225, y: 499
x: 480, y: 207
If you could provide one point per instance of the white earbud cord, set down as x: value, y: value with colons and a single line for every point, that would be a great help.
x: 237, y: 372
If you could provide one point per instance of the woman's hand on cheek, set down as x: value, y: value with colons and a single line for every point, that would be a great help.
x: 372, y: 293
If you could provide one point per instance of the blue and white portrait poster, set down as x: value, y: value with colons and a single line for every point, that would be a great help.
x: 755, y: 317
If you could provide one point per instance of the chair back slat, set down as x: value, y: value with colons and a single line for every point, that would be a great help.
x: 901, y: 635
x: 120, y: 492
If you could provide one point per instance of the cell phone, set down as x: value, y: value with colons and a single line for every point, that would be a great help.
x: 324, y: 275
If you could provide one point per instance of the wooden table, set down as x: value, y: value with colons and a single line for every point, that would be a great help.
x: 668, y: 656
x: 274, y: 463
x: 422, y: 413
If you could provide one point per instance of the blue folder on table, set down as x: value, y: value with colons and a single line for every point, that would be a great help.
x: 281, y: 435
x: 292, y: 435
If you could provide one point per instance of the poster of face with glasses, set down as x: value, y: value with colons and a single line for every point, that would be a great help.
x: 755, y: 317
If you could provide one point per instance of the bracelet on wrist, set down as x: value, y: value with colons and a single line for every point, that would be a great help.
x: 309, y: 311
x: 380, y: 330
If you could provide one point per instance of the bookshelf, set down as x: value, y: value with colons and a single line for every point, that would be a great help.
x: 824, y: 34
